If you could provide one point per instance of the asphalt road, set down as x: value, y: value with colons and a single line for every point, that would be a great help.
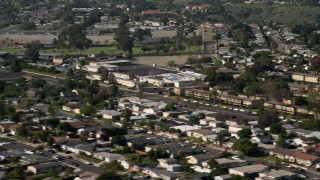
x: 275, y: 36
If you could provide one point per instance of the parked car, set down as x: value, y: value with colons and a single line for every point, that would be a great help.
x: 87, y: 162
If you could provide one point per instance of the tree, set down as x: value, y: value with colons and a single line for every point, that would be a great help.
x: 276, y: 128
x: 32, y: 50
x: 109, y: 175
x: 141, y: 34
x: 216, y: 169
x: 2, y: 109
x: 158, y: 153
x: 73, y: 37
x: 125, y: 42
x: 112, y: 166
x: 315, y: 64
x: 69, y: 83
x: 171, y: 63
x: 27, y: 26
x: 245, y: 146
x: 126, y: 114
x: 93, y: 87
x: 144, y: 49
x: 185, y: 165
x: 64, y: 126
x: 113, y: 91
x: 42, y: 135
x: 15, y: 66
x: 37, y: 83
x: 171, y: 106
x: 266, y: 118
x: 70, y: 73
x: 16, y: 173
x: 132, y: 76
x: 110, y: 132
x: 244, y: 133
x: 194, y: 120
x: 86, y: 110
x: 22, y: 131
x: 104, y: 73
x: 300, y: 101
x: 120, y: 140
x: 281, y: 142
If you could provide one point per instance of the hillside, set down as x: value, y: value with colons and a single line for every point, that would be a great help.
x: 276, y: 13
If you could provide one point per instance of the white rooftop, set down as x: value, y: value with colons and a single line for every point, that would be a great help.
x: 184, y: 128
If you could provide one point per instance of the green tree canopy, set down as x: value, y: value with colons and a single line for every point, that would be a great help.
x: 32, y: 50
x: 266, y: 118
x: 73, y: 37
x: 244, y: 133
x: 86, y: 110
x: 245, y: 146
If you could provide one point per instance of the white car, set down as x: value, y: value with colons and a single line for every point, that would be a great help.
x: 235, y: 157
x: 302, y: 176
x: 87, y: 162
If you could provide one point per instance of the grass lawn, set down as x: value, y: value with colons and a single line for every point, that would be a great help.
x: 108, y: 50
x: 19, y: 138
x: 90, y: 159
x: 46, y: 73
x: 43, y: 176
x: 272, y: 159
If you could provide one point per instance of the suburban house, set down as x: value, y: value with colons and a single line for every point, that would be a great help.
x: 260, y: 139
x: 72, y: 107
x: 200, y: 158
x: 218, y: 117
x: 230, y: 163
x: 33, y: 92
x: 110, y: 114
x: 251, y: 170
x: 165, y: 163
x: 223, y: 177
x: 199, y: 133
x: 281, y: 153
x: 46, y: 167
x: 276, y: 174
x: 9, y: 128
x: 69, y: 96
x: 108, y: 157
x: 76, y: 146
x: 83, y: 124
x: 235, y: 122
x: 306, y: 159
x: 94, y: 131
x: 295, y: 156
x: 299, y: 132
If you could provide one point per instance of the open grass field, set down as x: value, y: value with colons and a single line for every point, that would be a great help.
x: 161, y: 60
x: 106, y: 50
x: 184, y: 2
x: 253, y: 13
